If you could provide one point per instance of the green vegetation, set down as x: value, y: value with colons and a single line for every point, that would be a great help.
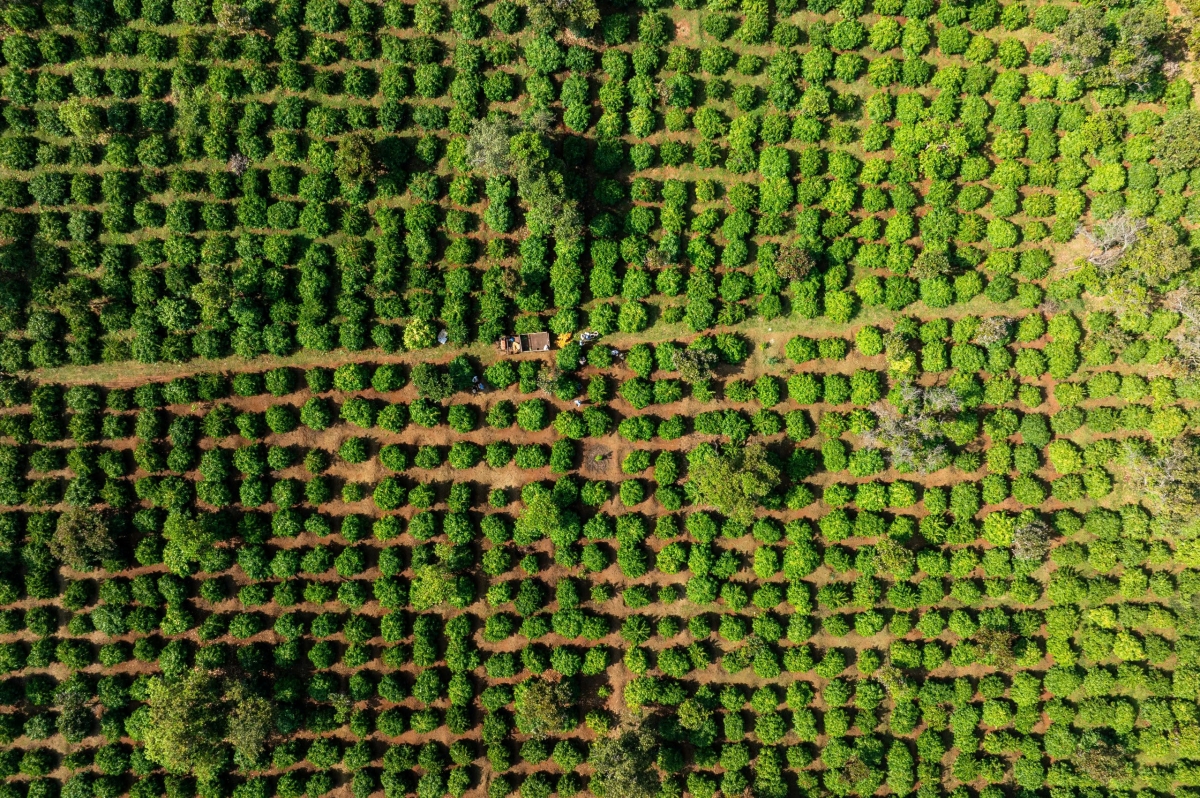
x: 880, y: 475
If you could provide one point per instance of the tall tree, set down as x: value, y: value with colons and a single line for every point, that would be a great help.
x: 75, y: 717
x: 734, y: 480
x: 542, y: 516
x: 542, y: 707
x: 1138, y: 260
x: 82, y: 539
x: 541, y: 185
x: 497, y: 146
x: 1136, y: 57
x: 911, y: 426
x: 1083, y: 39
x: 1158, y: 256
x: 1124, y: 54
x: 1166, y: 476
x: 1186, y: 302
x: 355, y: 159
x: 488, y: 146
x: 188, y: 723
x: 624, y: 765
x: 696, y: 365
x: 430, y: 586
x: 81, y: 119
x: 188, y: 535
x: 547, y: 14
x: 251, y: 721
x: 1178, y: 144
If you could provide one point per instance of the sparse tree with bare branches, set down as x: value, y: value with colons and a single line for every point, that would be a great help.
x: 1102, y: 762
x: 930, y: 264
x: 488, y: 146
x: 1031, y: 541
x: 232, y: 16
x: 794, y: 262
x: 1166, y: 475
x: 910, y: 427
x: 695, y: 365
x: 1185, y: 301
x: 993, y: 330
x: 579, y: 14
x: 1178, y: 144
x: 997, y: 647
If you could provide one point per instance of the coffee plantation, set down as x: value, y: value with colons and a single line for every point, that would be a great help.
x: 865, y: 459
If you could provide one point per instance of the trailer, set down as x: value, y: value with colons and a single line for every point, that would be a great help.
x: 529, y: 342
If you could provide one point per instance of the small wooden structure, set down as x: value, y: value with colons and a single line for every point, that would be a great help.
x: 531, y: 342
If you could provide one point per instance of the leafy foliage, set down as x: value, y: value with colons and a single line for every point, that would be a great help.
x: 1000, y: 556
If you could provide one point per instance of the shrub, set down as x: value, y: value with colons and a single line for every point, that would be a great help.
x: 533, y: 415
x: 317, y: 414
x: 358, y: 411
x: 464, y: 454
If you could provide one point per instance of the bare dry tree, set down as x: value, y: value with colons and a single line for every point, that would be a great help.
x: 1031, y: 541
x: 238, y: 164
x: 1049, y: 307
x: 1112, y: 239
x: 539, y: 120
x: 939, y: 400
